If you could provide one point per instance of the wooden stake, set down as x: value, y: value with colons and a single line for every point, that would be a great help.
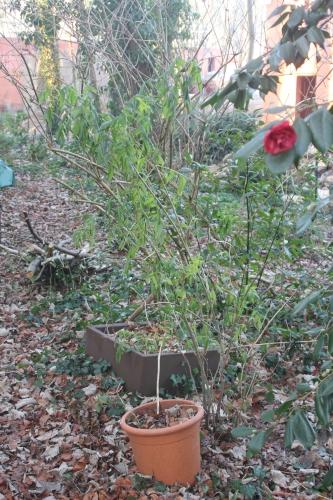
x: 158, y: 381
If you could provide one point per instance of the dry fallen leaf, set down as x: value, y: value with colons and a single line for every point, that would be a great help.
x: 279, y: 478
x: 51, y: 452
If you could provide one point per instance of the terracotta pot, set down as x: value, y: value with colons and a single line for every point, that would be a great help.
x: 170, y: 454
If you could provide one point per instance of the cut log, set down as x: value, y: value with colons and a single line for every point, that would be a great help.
x: 34, y: 267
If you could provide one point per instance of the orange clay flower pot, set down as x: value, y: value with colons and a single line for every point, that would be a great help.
x: 170, y: 454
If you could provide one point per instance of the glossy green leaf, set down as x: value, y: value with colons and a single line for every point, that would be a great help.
x: 251, y: 147
x: 254, y: 64
x: 288, y: 52
x: 279, y: 20
x: 303, y: 137
x: 240, y: 98
x: 321, y: 125
x: 304, y: 222
x: 277, y: 11
x: 275, y: 59
x: 219, y: 97
x: 277, y: 109
x: 313, y: 17
x: 316, y: 35
x: 242, y: 80
x: 269, y: 396
x: 303, y: 46
x: 296, y: 17
x: 311, y: 298
x: 278, y: 164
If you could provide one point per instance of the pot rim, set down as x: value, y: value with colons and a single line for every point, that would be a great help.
x: 165, y: 430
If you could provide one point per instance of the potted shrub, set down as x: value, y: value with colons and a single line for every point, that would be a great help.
x: 165, y: 438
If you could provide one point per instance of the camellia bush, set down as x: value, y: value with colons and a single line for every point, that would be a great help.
x: 285, y: 143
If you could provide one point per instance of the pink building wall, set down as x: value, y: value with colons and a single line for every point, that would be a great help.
x: 11, y: 50
x: 10, y: 98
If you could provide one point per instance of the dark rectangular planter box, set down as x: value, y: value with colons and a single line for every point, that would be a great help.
x: 139, y: 370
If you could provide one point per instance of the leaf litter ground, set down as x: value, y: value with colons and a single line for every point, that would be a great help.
x: 59, y: 411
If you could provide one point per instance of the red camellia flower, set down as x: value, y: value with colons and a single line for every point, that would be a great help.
x: 280, y: 138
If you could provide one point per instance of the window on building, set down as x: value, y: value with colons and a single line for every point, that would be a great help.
x: 305, y: 93
x: 211, y: 64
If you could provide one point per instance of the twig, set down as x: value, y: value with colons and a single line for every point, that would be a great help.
x: 74, y: 253
x: 81, y: 196
x: 31, y: 229
x: 90, y: 162
x: 9, y: 250
x: 141, y: 308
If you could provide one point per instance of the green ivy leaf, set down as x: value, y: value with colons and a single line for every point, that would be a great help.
x: 322, y: 410
x: 326, y: 387
x: 242, y: 431
x: 256, y: 443
x: 319, y: 346
x: 268, y: 415
x: 269, y: 396
x: 330, y: 341
x: 302, y: 429
x: 303, y: 388
x: 284, y: 407
x: 327, y: 480
x: 289, y: 434
x: 278, y: 164
x: 327, y: 365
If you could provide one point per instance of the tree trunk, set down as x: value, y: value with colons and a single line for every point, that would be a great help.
x: 251, y: 29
